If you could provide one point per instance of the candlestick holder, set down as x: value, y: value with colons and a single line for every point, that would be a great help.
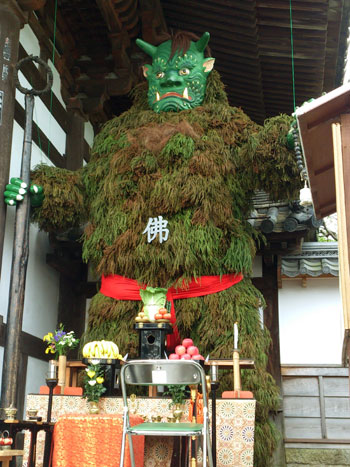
x: 51, y: 383
x: 236, y: 372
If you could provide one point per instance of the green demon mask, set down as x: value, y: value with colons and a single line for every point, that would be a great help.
x: 176, y: 79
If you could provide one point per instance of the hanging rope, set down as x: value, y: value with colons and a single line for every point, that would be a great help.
x: 292, y: 49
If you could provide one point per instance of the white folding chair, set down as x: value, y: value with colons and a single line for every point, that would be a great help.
x: 164, y: 372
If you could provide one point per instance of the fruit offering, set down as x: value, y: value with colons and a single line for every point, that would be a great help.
x: 101, y: 349
x: 162, y: 314
x: 141, y: 317
x: 186, y: 351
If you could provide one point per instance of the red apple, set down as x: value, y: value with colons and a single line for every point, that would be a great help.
x: 180, y: 349
x: 197, y: 357
x: 185, y: 356
x: 174, y: 356
x: 187, y: 342
x: 193, y: 350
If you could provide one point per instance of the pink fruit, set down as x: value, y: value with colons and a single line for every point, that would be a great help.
x: 187, y: 342
x: 180, y: 349
x: 185, y: 356
x: 197, y: 357
x: 193, y: 350
x: 174, y: 356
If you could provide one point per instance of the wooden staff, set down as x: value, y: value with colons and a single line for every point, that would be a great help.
x: 20, y: 249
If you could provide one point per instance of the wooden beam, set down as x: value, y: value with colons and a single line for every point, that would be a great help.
x: 29, y: 345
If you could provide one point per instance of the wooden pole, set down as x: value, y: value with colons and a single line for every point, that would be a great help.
x: 18, y: 273
x: 20, y: 255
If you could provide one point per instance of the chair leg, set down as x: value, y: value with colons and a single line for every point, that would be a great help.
x: 210, y: 452
x: 204, y: 443
x: 131, y: 450
x: 122, y: 452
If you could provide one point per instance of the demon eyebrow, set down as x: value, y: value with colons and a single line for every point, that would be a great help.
x: 184, y: 63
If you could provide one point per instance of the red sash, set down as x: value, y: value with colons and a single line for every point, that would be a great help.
x: 122, y: 288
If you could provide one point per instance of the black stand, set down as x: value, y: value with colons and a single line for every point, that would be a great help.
x: 152, y: 339
x: 51, y: 383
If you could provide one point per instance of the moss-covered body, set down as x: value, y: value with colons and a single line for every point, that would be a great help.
x: 198, y: 169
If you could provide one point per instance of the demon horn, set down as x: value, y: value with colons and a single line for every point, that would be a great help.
x: 149, y: 49
x: 203, y: 42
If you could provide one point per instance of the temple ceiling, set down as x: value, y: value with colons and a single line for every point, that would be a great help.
x: 99, y: 62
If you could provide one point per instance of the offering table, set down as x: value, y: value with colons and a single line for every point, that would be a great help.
x: 234, y: 426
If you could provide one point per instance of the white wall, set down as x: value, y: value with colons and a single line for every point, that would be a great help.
x: 311, y: 322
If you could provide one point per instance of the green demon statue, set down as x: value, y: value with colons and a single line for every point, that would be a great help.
x: 165, y: 199
x: 176, y: 81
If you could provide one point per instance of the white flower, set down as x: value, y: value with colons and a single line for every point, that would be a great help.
x: 92, y: 382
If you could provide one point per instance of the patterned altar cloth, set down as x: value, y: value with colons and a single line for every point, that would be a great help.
x: 234, y: 426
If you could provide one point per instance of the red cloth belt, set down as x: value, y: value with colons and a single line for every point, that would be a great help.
x: 122, y: 288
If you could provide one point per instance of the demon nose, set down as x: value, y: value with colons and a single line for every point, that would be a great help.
x: 171, y: 79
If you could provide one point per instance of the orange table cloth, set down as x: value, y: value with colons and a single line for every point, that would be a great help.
x: 93, y: 440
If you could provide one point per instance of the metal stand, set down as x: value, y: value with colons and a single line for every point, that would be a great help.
x: 51, y: 383
x: 214, y: 386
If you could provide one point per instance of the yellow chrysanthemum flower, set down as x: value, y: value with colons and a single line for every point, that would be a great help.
x: 91, y: 373
x: 100, y: 380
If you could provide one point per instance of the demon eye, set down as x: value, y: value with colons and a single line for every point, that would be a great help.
x: 160, y: 74
x: 184, y: 72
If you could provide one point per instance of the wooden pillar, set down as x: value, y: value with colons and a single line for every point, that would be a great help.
x: 75, y: 140
x: 341, y: 149
x: 72, y: 297
x: 268, y: 286
x: 9, y: 40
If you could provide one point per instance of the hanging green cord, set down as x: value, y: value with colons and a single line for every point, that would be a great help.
x: 292, y: 47
x: 53, y: 62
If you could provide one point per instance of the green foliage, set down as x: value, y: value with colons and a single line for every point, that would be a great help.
x: 177, y: 393
x: 63, y: 205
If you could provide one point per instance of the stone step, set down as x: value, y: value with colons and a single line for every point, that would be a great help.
x: 320, y: 457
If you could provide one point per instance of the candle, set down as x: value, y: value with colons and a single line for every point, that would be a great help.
x: 52, y: 369
x: 214, y: 373
x: 235, y: 336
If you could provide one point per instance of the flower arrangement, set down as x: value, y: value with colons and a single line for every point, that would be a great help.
x: 60, y: 342
x: 93, y: 383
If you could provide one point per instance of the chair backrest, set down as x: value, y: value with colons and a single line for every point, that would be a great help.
x: 162, y: 372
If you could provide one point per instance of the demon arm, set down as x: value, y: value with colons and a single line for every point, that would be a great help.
x: 272, y: 166
x: 64, y: 203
